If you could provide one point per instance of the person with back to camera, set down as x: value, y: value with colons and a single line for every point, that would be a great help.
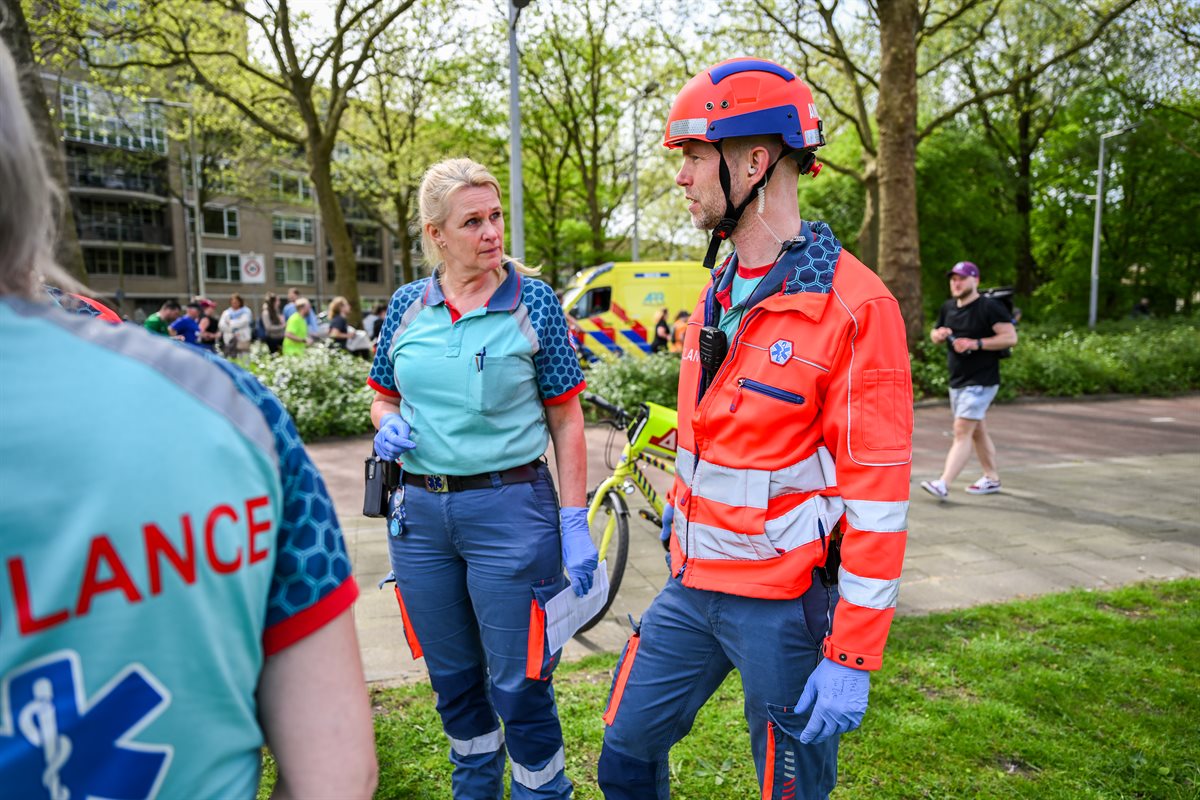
x: 795, y: 421
x: 976, y: 329
x: 473, y: 376
x: 159, y: 625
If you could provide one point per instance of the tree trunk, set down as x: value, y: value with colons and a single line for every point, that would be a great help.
x: 866, y: 244
x: 899, y: 239
x: 345, y: 268
x: 1027, y: 269
x: 15, y: 33
x: 404, y: 239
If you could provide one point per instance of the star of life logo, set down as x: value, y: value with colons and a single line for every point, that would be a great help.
x: 781, y: 352
x: 58, y: 744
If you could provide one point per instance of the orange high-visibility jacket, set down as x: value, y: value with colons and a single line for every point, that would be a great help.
x: 807, y: 423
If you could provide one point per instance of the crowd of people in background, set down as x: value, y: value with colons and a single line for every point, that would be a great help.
x: 290, y: 329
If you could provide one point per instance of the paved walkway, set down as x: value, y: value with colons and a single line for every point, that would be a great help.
x: 1096, y: 494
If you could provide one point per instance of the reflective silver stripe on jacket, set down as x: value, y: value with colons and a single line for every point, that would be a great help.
x: 783, y: 534
x: 877, y: 515
x: 752, y: 488
x: 868, y: 592
x: 487, y: 743
x: 535, y: 779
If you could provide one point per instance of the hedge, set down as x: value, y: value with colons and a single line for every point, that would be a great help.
x: 324, y: 389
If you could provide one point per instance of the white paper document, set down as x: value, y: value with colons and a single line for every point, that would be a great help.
x: 566, y: 613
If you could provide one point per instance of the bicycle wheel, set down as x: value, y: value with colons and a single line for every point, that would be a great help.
x: 615, y: 515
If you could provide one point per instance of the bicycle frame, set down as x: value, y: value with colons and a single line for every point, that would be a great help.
x: 641, y: 437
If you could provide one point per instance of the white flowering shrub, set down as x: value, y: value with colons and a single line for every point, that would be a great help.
x: 325, y: 390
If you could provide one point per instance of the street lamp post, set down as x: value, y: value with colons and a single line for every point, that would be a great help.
x: 1093, y: 297
x: 196, y: 248
x: 516, y: 211
x: 643, y: 93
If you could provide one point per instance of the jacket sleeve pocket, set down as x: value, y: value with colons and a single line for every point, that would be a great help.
x: 885, y: 409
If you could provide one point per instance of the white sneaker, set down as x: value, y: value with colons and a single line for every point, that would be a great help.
x: 936, y: 488
x: 984, y: 485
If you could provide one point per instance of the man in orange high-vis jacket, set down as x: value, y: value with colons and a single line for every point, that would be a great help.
x: 795, y: 437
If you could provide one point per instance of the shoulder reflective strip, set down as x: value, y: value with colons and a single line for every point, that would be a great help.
x: 685, y: 463
x: 536, y: 779
x: 877, y: 515
x: 709, y: 541
x: 190, y: 371
x: 868, y: 592
x: 732, y: 486
x: 521, y: 317
x: 799, y: 526
x: 480, y: 745
x: 811, y: 474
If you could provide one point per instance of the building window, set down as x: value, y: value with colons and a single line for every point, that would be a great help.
x: 293, y: 269
x: 104, y: 261
x: 221, y: 222
x: 291, y: 186
x: 223, y: 267
x: 293, y: 229
x: 217, y: 175
x: 117, y: 221
x: 367, y: 271
x: 90, y: 114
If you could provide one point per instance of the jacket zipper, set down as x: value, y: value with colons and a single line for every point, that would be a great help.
x: 764, y: 389
x: 703, y: 409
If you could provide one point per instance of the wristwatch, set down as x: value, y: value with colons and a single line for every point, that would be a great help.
x: 979, y: 344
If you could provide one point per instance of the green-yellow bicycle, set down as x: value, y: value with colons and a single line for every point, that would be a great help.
x: 650, y: 437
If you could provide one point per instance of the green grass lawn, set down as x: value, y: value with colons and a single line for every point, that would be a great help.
x: 1077, y: 695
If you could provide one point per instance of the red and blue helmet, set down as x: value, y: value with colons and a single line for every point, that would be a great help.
x: 745, y: 97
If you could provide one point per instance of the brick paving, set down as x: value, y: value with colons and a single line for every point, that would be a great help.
x: 1096, y: 494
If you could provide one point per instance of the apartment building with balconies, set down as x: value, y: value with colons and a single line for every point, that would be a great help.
x: 132, y: 191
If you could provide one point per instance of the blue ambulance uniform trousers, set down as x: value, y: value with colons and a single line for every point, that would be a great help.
x: 473, y: 568
x: 688, y: 642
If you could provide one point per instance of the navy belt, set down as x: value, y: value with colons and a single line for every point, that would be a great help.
x: 526, y: 473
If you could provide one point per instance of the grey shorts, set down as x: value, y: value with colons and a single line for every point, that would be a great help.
x: 971, y: 402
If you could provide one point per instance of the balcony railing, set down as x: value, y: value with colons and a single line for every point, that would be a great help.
x: 115, y: 179
x: 104, y: 231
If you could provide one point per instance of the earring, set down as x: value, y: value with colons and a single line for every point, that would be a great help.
x: 762, y: 198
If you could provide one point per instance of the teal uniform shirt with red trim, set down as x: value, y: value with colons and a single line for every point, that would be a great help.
x: 473, y: 386
x: 163, y: 531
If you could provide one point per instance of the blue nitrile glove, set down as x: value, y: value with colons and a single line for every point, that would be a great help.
x: 837, y: 696
x: 393, y: 437
x: 578, y: 552
x: 668, y: 518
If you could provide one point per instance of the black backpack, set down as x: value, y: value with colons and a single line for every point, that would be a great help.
x: 1004, y: 295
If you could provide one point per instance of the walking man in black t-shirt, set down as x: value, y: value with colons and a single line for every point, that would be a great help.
x: 977, y: 328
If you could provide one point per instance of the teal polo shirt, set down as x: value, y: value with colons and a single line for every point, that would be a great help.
x: 473, y: 387
x: 733, y: 294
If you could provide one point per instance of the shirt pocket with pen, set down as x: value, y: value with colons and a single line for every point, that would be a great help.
x: 496, y: 383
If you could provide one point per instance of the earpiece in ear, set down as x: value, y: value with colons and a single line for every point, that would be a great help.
x: 751, y: 171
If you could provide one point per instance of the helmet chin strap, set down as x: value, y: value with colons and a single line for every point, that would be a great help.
x: 733, y: 214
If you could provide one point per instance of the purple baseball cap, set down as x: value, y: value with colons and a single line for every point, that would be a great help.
x: 965, y: 269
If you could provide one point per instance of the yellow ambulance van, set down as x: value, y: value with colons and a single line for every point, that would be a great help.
x: 612, y: 307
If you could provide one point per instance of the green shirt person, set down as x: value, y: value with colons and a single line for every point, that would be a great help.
x: 160, y: 321
x: 295, y: 335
